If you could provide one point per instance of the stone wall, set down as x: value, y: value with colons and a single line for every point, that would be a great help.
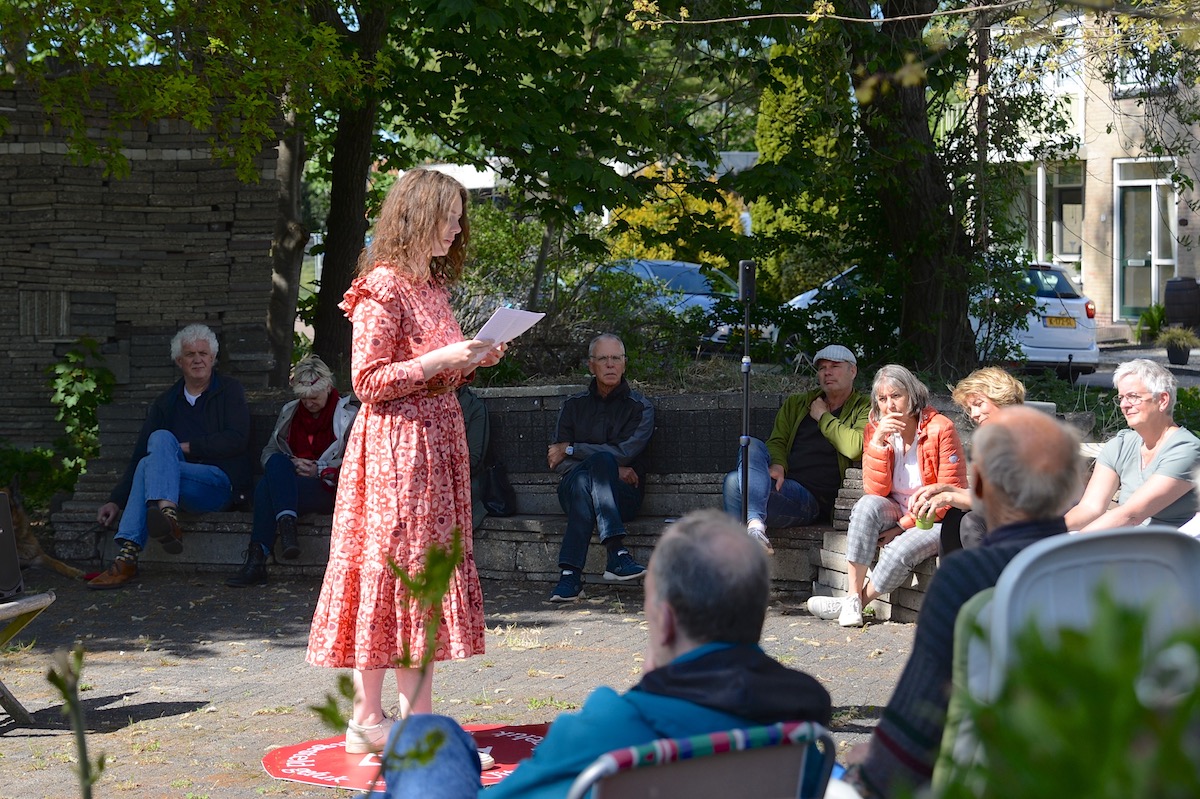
x: 126, y: 261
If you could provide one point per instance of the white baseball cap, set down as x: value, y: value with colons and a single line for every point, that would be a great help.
x: 835, y: 352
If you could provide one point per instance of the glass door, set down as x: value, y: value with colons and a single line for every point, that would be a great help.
x: 1145, y: 233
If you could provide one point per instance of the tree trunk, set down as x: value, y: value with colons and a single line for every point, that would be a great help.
x: 539, y: 268
x: 287, y: 252
x: 914, y: 197
x: 347, y: 230
x: 346, y: 226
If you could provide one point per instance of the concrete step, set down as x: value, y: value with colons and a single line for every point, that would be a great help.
x: 523, y: 547
x: 666, y: 495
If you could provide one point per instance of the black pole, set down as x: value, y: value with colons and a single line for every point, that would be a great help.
x: 746, y: 295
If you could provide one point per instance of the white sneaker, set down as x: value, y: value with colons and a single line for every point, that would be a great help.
x: 825, y: 607
x: 758, y: 531
x: 486, y: 761
x: 851, y: 615
x: 360, y: 739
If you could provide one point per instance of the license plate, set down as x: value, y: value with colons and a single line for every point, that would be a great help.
x: 1060, y: 321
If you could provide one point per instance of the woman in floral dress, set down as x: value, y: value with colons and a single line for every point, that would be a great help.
x: 405, y: 479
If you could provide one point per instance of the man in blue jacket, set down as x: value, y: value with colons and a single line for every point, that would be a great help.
x: 191, y: 453
x: 598, y: 446
x: 706, y: 599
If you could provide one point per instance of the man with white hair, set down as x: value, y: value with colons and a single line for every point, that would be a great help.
x: 191, y: 454
x: 795, y: 476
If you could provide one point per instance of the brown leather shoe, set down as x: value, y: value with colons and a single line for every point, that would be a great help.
x: 117, y: 575
x: 164, y: 528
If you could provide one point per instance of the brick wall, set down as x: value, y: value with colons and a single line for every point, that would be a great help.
x: 126, y: 261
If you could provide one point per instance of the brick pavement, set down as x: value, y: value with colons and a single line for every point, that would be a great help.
x: 188, y: 683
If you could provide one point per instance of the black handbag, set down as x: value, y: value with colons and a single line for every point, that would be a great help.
x: 498, y: 496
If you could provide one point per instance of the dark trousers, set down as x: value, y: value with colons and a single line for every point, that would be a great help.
x: 281, y: 492
x: 593, y: 496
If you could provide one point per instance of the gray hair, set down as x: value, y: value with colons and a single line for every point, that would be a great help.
x: 1040, y: 472
x: 311, y: 377
x: 604, y: 337
x: 193, y: 333
x: 1157, y: 379
x: 714, y: 577
x: 906, y: 381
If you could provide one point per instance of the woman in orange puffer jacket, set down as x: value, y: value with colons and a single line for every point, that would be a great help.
x: 908, y: 444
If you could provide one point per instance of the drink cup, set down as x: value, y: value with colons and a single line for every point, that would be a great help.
x: 926, y: 522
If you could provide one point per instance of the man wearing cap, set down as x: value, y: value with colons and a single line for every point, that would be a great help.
x: 795, y: 476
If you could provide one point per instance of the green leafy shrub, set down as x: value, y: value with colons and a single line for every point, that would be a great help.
x: 1093, y: 714
x: 1150, y: 323
x: 81, y: 383
x: 39, y: 472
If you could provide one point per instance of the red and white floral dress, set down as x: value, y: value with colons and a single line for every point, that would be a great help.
x: 405, y: 481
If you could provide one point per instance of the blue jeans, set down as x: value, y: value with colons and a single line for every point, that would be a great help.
x: 282, y: 492
x: 593, y: 495
x: 792, y: 505
x: 165, y: 474
x: 452, y: 774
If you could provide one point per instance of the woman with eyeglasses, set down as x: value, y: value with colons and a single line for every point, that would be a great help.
x: 1151, y: 463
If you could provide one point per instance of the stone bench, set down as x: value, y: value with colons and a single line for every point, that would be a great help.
x: 695, y: 443
x: 697, y: 434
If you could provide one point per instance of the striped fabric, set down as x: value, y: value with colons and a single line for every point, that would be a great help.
x: 671, y: 750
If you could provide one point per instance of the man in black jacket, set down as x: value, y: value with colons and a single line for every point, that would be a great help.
x: 191, y: 453
x: 602, y: 434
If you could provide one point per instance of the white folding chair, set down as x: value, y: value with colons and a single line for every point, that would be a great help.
x: 1054, y: 584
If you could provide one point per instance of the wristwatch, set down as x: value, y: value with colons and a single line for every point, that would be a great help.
x: 570, y: 449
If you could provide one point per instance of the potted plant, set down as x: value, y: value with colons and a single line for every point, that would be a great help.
x: 1179, y: 342
x: 1150, y: 324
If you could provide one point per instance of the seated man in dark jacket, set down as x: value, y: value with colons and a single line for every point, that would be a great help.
x: 191, y: 453
x: 1026, y: 471
x: 706, y: 600
x: 602, y: 434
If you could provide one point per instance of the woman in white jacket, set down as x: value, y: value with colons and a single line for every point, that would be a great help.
x: 300, y: 462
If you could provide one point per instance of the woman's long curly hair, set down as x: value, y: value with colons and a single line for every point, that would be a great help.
x: 410, y: 224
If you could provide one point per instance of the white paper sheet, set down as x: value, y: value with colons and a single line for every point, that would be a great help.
x: 506, y: 324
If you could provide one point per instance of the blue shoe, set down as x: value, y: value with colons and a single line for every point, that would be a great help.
x: 569, y: 588
x: 622, y: 566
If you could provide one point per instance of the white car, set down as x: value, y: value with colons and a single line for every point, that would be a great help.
x: 1061, y: 333
x: 1061, y: 329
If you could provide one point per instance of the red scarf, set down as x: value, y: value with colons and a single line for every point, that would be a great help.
x: 310, y: 435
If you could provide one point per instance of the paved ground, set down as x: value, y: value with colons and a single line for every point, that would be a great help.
x: 1113, y: 354
x: 188, y: 683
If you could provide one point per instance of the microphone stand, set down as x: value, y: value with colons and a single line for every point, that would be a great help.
x: 746, y: 295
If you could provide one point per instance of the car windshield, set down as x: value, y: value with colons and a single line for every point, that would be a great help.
x: 689, y: 280
x: 1051, y: 283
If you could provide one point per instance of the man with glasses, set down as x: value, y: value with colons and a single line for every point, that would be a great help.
x: 601, y: 436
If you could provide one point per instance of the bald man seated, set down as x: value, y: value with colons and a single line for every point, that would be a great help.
x: 1026, y: 473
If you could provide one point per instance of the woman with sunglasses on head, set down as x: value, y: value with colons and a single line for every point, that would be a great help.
x: 1151, y: 463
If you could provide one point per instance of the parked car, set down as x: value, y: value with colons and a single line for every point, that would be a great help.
x: 1061, y: 328
x: 681, y: 286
